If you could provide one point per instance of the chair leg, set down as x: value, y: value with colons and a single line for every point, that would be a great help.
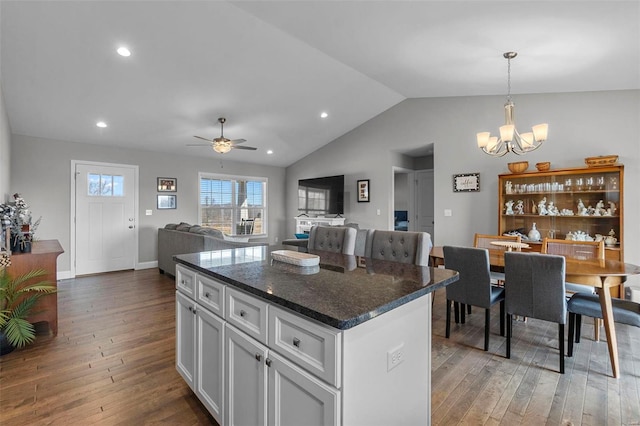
x: 462, y: 313
x: 509, y: 320
x: 448, y: 326
x: 596, y: 329
x: 487, y: 327
x: 456, y: 312
x: 578, y: 327
x: 469, y: 309
x: 572, y: 324
x: 561, y: 342
x: 502, y: 318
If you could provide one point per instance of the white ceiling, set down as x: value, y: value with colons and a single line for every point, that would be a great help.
x: 271, y: 67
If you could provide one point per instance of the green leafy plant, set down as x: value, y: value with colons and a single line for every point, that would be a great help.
x: 17, y: 299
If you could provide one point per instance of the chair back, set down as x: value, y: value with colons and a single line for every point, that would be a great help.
x: 336, y: 239
x: 484, y: 241
x: 474, y: 285
x: 399, y: 246
x: 580, y: 250
x: 535, y: 286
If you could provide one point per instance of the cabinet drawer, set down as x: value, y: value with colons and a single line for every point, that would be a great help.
x: 210, y: 294
x: 186, y: 281
x: 247, y: 313
x: 314, y: 347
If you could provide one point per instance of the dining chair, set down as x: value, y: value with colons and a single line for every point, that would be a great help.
x: 484, y: 241
x: 336, y: 239
x: 578, y: 250
x: 535, y: 288
x: 399, y: 246
x: 473, y: 287
x: 624, y: 312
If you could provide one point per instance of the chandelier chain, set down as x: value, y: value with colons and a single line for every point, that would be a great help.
x: 509, y: 79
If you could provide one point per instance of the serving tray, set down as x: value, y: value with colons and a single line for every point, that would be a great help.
x: 295, y: 257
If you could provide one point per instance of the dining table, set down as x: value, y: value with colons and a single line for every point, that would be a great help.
x: 601, y: 274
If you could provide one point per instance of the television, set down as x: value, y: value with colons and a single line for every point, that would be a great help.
x: 321, y: 196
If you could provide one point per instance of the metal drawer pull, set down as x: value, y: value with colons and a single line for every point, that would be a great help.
x: 242, y: 313
x: 268, y: 362
x: 296, y: 342
x: 258, y: 357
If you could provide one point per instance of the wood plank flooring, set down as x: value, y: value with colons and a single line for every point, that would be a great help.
x: 113, y: 363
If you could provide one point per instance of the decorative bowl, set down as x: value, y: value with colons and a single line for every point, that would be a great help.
x: 602, y: 160
x: 544, y: 166
x: 518, y: 167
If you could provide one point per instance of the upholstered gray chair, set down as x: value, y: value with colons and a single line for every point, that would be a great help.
x: 474, y: 285
x: 399, y: 246
x: 624, y: 312
x: 336, y: 239
x: 535, y: 288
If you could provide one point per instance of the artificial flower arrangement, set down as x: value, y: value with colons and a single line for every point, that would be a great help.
x: 16, y: 220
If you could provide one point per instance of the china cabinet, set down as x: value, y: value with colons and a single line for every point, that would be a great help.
x: 577, y: 203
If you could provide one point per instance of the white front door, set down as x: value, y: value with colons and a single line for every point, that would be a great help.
x: 424, y: 202
x: 105, y: 229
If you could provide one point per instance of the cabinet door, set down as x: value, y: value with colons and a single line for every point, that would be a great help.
x: 210, y: 362
x: 245, y: 402
x: 298, y: 398
x: 185, y: 338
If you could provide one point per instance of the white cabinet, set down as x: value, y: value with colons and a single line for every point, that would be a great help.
x: 210, y: 362
x: 185, y: 338
x: 246, y: 394
x: 304, y: 224
x: 298, y: 398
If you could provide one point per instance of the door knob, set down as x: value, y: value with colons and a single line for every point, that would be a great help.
x: 130, y: 226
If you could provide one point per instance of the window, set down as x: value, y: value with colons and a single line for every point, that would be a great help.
x: 235, y: 206
x: 100, y: 185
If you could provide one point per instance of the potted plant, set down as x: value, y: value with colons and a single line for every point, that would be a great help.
x: 17, y: 299
x: 16, y: 219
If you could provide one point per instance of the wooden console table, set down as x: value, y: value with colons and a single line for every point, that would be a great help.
x: 44, y: 255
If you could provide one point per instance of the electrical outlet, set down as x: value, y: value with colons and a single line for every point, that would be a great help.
x: 395, y: 357
x: 447, y: 212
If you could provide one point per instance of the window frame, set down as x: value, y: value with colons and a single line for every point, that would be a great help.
x: 235, y: 179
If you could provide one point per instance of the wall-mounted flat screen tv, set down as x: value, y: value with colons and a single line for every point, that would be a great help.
x: 321, y: 196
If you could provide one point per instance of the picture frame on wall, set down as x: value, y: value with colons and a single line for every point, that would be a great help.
x: 466, y: 182
x: 363, y: 191
x: 167, y: 202
x: 166, y: 184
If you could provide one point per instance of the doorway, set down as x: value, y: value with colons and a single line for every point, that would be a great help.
x: 104, y: 211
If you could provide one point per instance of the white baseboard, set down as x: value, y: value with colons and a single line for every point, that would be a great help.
x: 64, y: 275
x: 147, y: 265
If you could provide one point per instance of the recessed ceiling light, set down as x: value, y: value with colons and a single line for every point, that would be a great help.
x: 269, y: 151
x: 101, y: 124
x: 323, y: 115
x: 123, y: 51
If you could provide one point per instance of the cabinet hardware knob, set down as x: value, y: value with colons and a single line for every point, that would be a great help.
x: 190, y: 309
x: 296, y: 342
x: 242, y: 313
x: 206, y: 295
x: 258, y: 357
x: 194, y: 310
x: 268, y: 362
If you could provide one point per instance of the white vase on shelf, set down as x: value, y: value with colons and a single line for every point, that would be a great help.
x: 534, y: 234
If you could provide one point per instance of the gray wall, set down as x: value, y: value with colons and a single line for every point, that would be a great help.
x: 41, y: 172
x: 5, y: 152
x: 580, y: 125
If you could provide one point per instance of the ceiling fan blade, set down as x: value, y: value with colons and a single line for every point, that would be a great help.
x: 204, y: 139
x: 249, y: 148
x: 198, y: 144
x: 235, y: 141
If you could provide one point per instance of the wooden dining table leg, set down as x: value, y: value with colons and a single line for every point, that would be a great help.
x: 609, y: 326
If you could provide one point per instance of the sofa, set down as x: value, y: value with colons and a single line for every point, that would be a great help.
x: 184, y: 238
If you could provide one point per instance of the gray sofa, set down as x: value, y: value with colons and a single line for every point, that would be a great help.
x: 183, y: 238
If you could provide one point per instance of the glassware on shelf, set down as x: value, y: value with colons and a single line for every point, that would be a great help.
x: 579, y: 184
x: 613, y: 182
x: 600, y: 182
x: 589, y: 183
x: 567, y: 184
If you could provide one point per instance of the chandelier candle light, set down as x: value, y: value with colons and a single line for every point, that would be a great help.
x: 510, y: 140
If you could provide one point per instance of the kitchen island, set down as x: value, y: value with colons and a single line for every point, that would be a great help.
x: 347, y: 342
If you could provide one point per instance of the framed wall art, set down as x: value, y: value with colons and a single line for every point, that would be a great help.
x: 363, y: 191
x: 167, y: 184
x: 468, y: 182
x: 167, y: 202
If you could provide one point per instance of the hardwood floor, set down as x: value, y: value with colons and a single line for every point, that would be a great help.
x: 113, y: 363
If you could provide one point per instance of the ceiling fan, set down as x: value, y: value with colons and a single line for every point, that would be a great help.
x: 223, y: 145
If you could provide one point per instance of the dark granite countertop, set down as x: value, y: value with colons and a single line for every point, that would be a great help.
x: 342, y: 292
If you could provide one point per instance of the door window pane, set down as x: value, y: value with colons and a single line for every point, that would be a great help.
x: 99, y: 185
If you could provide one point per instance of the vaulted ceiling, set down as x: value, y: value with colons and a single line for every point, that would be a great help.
x: 271, y: 67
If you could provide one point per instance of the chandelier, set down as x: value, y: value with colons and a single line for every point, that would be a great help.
x: 510, y: 139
